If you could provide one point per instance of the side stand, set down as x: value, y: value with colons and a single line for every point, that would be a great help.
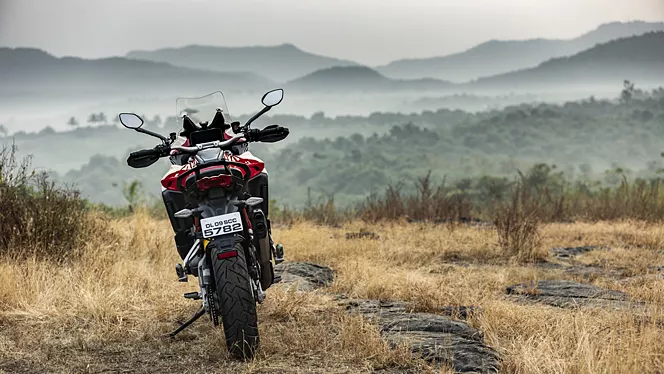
x: 188, y: 322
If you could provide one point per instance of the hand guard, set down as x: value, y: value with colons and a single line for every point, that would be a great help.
x: 273, y: 134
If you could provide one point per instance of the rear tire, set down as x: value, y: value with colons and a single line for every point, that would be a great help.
x: 236, y: 304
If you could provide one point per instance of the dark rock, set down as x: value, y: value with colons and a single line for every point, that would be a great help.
x: 437, y: 339
x: 570, y: 294
x: 362, y: 234
x: 657, y: 268
x: 461, y: 312
x: 589, y: 272
x: 549, y: 265
x: 426, y: 322
x: 374, y: 307
x: 465, y: 355
x: 304, y: 275
x: 570, y: 252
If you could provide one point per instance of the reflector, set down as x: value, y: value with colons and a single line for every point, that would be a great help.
x: 228, y: 254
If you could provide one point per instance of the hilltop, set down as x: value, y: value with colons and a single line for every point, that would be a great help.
x: 638, y: 58
x: 279, y: 63
x: 359, y: 78
x: 33, y: 71
x: 501, y: 56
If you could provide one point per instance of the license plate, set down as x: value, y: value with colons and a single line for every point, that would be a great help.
x: 221, y: 225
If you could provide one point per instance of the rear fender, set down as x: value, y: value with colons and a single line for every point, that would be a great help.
x: 222, y: 245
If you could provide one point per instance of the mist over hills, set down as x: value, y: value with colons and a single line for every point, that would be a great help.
x: 638, y: 58
x: 31, y: 77
x: 497, y: 56
x: 280, y: 63
x: 359, y: 78
x: 26, y: 71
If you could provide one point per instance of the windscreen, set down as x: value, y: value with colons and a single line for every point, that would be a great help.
x: 201, y: 109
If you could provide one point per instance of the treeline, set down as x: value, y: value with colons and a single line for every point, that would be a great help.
x: 586, y: 140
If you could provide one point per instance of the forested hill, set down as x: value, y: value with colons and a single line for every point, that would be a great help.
x: 582, y: 138
x: 639, y: 58
x: 502, y: 56
x: 33, y: 72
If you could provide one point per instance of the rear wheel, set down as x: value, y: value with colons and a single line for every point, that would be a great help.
x: 235, y: 303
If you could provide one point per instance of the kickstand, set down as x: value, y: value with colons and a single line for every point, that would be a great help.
x: 188, y: 322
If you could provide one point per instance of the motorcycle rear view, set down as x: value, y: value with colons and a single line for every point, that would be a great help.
x: 231, y: 253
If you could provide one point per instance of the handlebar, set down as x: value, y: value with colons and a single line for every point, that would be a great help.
x: 269, y: 134
x: 215, y: 144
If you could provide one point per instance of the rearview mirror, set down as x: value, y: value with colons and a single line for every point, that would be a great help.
x: 273, y: 97
x: 131, y: 120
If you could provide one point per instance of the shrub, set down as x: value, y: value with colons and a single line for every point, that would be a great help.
x: 324, y: 212
x: 517, y: 224
x: 428, y: 203
x: 37, y: 217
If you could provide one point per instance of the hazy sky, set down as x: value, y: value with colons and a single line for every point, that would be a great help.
x: 368, y: 31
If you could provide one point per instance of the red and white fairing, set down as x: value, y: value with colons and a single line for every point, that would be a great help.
x: 256, y: 167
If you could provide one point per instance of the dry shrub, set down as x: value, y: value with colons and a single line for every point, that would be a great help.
x: 37, y: 218
x: 641, y: 200
x: 429, y: 203
x: 322, y: 211
x: 517, y: 223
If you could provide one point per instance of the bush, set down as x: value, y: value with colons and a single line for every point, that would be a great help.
x: 517, y: 224
x: 429, y: 203
x: 37, y: 218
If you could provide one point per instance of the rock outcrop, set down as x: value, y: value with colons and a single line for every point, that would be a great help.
x: 570, y: 294
x: 436, y: 338
x: 305, y: 276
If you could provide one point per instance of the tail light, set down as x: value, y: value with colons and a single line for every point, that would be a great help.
x: 222, y: 180
x: 227, y: 254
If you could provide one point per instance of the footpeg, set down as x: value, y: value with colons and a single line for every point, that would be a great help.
x: 192, y: 295
x: 182, y: 277
x: 278, y: 254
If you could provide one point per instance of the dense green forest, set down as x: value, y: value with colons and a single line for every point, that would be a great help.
x: 355, y: 156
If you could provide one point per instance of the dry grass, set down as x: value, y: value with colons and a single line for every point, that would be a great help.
x: 37, y: 217
x: 109, y: 310
x: 518, y: 225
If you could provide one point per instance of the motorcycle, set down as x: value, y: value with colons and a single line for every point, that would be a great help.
x: 232, y: 255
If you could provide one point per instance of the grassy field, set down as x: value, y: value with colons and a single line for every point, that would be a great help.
x: 108, y: 311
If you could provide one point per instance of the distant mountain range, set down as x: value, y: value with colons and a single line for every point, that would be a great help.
x: 280, y: 63
x: 26, y: 70
x: 637, y: 58
x: 359, y: 79
x: 498, y: 56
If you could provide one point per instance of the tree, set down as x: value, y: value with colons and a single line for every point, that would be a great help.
x: 133, y: 193
x: 171, y: 122
x: 92, y: 118
x: 318, y: 118
x: 627, y: 92
x: 72, y: 122
x: 101, y: 117
x: 156, y: 121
